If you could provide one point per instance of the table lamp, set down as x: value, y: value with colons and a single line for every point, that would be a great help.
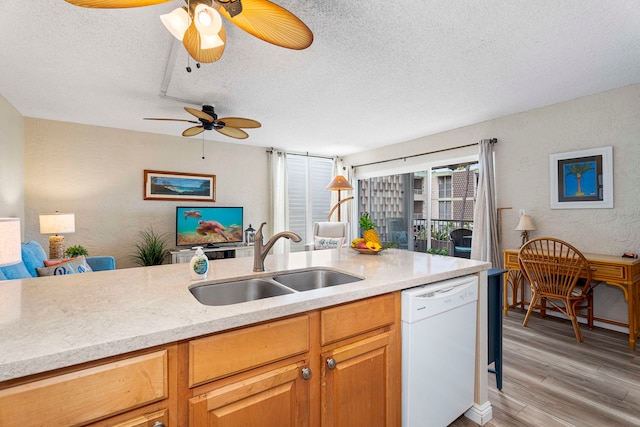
x: 338, y: 183
x: 57, y: 223
x: 10, y: 250
x: 525, y: 225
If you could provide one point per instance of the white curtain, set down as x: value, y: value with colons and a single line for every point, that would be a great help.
x: 279, y: 199
x: 484, y: 245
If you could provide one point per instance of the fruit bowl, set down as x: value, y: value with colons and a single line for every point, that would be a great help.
x: 367, y: 251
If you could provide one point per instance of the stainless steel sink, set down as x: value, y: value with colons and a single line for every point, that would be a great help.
x: 314, y: 279
x: 237, y: 291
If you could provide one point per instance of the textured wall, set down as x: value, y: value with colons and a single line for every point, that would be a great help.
x: 525, y: 142
x: 97, y: 173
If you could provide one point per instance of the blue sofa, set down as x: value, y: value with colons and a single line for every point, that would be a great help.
x: 33, y: 256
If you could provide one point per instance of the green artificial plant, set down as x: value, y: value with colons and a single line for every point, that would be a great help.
x: 151, y: 249
x: 74, y: 251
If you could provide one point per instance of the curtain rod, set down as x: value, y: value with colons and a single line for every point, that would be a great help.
x: 492, y: 140
x: 307, y: 154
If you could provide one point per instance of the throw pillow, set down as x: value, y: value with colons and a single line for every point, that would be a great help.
x: 33, y: 256
x: 328, y: 242
x: 74, y: 266
x: 52, y: 262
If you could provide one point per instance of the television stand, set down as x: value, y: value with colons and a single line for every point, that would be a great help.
x: 179, y: 256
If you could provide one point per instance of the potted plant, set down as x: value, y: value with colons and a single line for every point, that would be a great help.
x: 440, y: 241
x: 75, y: 251
x: 151, y: 249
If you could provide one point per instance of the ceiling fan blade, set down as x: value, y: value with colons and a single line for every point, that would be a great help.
x: 271, y: 23
x: 191, y: 42
x: 239, y: 122
x: 233, y: 132
x: 111, y: 4
x: 199, y: 114
x: 172, y: 120
x: 193, y: 131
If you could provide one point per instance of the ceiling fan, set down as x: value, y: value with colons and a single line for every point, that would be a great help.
x: 208, y: 120
x: 199, y: 26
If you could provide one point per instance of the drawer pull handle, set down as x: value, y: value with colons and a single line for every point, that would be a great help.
x: 331, y: 363
x: 158, y: 424
x: 306, y: 373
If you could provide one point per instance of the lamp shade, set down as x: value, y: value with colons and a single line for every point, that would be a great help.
x: 339, y: 183
x: 57, y: 223
x: 525, y: 224
x: 176, y: 22
x: 10, y: 251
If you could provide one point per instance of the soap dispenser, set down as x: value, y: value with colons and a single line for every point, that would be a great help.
x: 199, y: 265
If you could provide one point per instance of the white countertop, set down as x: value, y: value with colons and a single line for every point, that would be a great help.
x: 53, y: 322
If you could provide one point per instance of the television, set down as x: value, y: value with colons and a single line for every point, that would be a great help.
x: 208, y: 226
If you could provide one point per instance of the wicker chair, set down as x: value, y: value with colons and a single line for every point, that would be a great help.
x: 559, y: 273
x: 461, y: 246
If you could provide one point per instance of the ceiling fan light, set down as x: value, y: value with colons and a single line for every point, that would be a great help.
x: 204, y: 18
x: 176, y: 22
x: 208, y: 20
x: 210, y: 42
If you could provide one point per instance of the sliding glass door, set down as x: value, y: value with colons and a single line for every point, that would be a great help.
x: 386, y: 201
x: 419, y: 210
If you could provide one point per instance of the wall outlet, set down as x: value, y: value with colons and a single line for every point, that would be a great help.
x: 522, y: 212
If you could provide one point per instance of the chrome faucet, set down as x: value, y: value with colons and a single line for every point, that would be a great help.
x: 261, y: 250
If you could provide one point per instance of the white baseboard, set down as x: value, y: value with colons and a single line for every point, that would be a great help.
x: 480, y: 414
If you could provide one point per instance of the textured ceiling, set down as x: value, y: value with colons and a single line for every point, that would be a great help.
x: 378, y: 72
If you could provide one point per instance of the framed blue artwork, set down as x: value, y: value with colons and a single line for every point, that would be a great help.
x: 582, y: 179
x: 161, y: 185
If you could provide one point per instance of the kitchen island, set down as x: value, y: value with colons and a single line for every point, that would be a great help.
x: 57, y: 323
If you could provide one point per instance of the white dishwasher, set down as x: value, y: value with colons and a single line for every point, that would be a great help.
x: 438, y: 351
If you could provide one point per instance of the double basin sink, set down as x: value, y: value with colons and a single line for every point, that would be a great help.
x: 237, y: 291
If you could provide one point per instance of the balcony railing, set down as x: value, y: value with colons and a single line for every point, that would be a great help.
x: 434, y: 234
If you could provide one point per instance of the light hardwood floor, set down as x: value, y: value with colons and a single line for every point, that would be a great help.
x: 549, y: 379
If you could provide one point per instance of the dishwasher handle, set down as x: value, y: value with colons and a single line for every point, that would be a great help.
x: 447, y: 292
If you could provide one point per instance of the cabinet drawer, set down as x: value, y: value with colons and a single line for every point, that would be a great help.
x: 146, y: 420
x: 221, y: 355
x: 87, y: 395
x: 355, y: 318
x: 608, y: 271
x: 511, y: 260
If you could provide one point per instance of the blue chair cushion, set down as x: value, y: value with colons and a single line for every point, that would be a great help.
x: 101, y: 262
x: 15, y: 271
x: 33, y: 256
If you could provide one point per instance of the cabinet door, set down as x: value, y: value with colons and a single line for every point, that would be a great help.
x: 360, y: 383
x: 276, y: 398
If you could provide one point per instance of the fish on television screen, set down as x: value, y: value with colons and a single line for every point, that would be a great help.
x: 208, y: 226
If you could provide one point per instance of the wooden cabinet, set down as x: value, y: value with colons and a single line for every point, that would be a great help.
x: 254, y: 376
x: 132, y: 391
x: 332, y: 367
x: 277, y: 397
x: 360, y: 374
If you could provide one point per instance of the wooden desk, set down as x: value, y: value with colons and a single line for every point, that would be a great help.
x: 614, y: 270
